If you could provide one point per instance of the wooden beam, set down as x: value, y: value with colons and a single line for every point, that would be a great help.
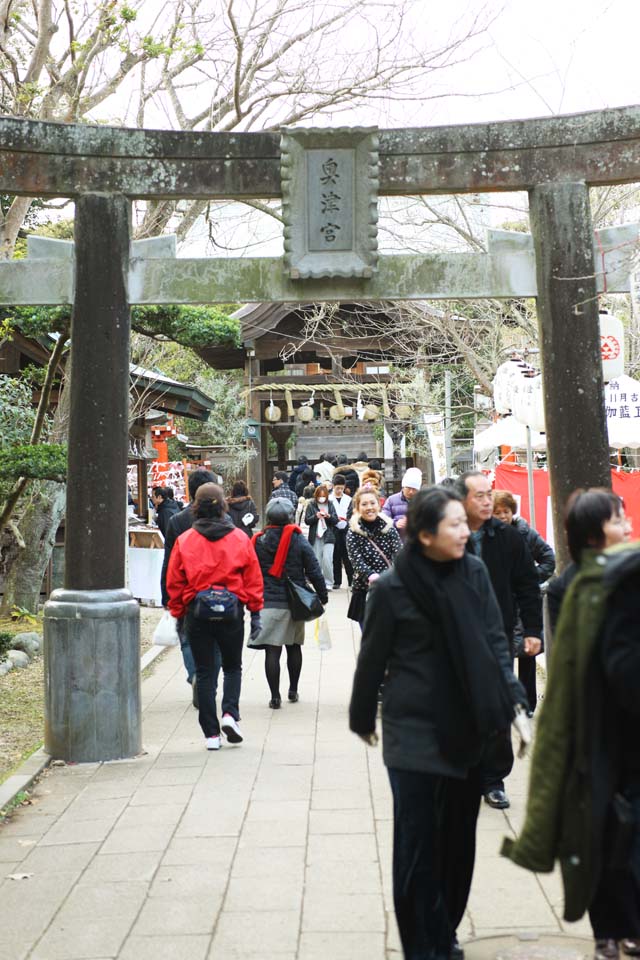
x: 44, y: 159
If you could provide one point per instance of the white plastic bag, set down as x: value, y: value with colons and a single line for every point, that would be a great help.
x: 166, y: 633
x: 321, y: 633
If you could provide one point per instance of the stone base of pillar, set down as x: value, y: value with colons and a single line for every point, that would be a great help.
x: 92, y: 675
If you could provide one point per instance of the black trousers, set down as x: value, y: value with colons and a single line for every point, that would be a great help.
x: 341, y: 558
x: 497, y: 760
x: 527, y: 677
x: 615, y: 910
x: 205, y: 638
x: 434, y: 847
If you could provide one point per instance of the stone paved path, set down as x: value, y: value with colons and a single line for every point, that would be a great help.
x: 277, y: 848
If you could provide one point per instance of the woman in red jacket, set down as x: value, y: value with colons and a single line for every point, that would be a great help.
x: 214, y: 553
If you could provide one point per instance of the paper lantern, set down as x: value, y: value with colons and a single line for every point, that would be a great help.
x: 336, y: 413
x: 611, y: 346
x: 370, y: 411
x: 402, y: 411
x: 305, y: 414
x: 273, y: 413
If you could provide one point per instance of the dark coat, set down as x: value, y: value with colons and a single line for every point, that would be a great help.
x: 302, y: 565
x: 311, y: 519
x: 576, y: 766
x: 178, y: 523
x: 239, y: 507
x: 399, y: 647
x: 351, y: 477
x: 513, y: 577
x: 556, y: 591
x: 295, y: 475
x: 542, y: 553
x: 167, y: 509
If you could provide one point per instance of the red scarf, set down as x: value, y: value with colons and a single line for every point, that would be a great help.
x: 277, y: 568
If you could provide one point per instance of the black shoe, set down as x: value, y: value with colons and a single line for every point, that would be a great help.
x: 194, y: 693
x: 293, y: 696
x: 275, y: 703
x: 497, y: 799
x: 631, y: 947
x: 606, y: 950
x: 456, y: 952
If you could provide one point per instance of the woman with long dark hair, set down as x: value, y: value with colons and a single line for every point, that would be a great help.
x: 433, y: 633
x: 242, y: 509
x: 214, y: 553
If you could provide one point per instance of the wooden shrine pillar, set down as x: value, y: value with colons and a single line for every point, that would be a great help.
x: 91, y: 627
x: 577, y: 443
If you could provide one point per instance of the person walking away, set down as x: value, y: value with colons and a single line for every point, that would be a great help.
x: 242, y: 509
x: 178, y: 523
x: 433, y: 633
x: 584, y: 794
x: 281, y: 487
x: 350, y: 474
x: 594, y: 518
x: 372, y: 544
x: 301, y: 466
x: 397, y: 504
x: 324, y: 470
x: 283, y: 552
x: 304, y: 479
x: 515, y: 583
x: 341, y: 501
x: 165, y: 506
x: 505, y: 509
x: 322, y: 519
x: 214, y: 553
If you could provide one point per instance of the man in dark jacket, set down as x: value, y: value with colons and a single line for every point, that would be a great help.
x: 515, y: 582
x: 178, y: 523
x: 166, y: 507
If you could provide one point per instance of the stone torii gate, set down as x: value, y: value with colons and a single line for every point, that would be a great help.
x: 91, y: 626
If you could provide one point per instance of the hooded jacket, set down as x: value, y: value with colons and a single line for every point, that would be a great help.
x: 165, y: 511
x: 213, y: 553
x: 241, y: 508
x: 591, y: 697
x: 542, y: 553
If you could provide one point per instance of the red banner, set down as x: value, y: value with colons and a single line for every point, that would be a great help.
x: 514, y: 479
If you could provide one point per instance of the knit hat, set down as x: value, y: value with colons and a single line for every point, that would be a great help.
x: 412, y: 478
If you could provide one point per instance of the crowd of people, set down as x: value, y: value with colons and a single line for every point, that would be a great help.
x: 446, y: 584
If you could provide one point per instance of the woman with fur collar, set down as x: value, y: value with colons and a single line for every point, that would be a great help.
x: 372, y: 544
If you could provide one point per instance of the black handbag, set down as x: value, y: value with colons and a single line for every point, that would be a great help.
x: 216, y: 604
x: 304, y: 603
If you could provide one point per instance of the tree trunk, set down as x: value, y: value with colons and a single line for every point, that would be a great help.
x: 38, y: 528
x: 10, y: 226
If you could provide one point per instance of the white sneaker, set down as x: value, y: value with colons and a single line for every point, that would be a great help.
x: 231, y: 729
x: 213, y: 743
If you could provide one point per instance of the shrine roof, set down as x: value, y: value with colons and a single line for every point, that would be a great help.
x: 171, y: 395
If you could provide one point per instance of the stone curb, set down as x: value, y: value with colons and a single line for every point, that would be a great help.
x: 33, y: 766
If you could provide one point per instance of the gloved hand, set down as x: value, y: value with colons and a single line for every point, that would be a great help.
x: 256, y: 625
x: 523, y: 729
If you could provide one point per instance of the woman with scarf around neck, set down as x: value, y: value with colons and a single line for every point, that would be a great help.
x: 372, y: 543
x: 283, y: 552
x: 433, y: 633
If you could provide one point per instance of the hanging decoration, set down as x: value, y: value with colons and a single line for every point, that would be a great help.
x: 402, y: 411
x: 371, y: 411
x: 272, y: 413
x: 337, y: 411
x: 290, y: 408
x: 305, y: 410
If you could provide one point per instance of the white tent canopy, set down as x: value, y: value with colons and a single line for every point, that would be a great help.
x: 507, y: 432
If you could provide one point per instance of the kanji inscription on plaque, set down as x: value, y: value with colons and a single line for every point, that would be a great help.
x: 329, y: 188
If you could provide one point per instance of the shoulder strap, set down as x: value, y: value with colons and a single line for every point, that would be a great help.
x: 376, y: 547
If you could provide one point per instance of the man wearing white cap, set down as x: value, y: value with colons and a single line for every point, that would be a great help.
x: 397, y: 505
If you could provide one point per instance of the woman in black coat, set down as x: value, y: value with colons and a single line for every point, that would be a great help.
x: 242, y: 509
x: 321, y: 518
x: 283, y: 552
x: 433, y: 633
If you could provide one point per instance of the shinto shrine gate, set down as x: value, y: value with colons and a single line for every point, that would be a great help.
x: 91, y: 626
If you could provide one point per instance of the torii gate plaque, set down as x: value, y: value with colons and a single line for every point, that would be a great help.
x: 91, y: 629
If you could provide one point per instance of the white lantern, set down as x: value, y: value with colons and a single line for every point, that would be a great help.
x: 370, y: 411
x: 273, y: 413
x: 402, y: 411
x: 611, y: 346
x: 336, y: 413
x: 305, y: 414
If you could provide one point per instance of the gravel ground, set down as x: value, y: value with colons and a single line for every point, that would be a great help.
x: 22, y: 698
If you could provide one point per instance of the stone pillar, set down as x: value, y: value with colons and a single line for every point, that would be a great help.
x: 577, y: 444
x: 91, y: 627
